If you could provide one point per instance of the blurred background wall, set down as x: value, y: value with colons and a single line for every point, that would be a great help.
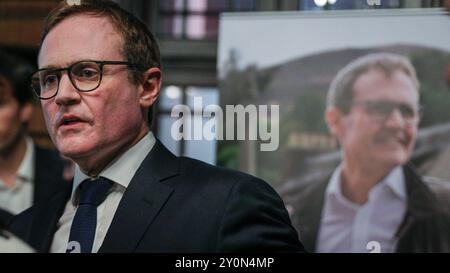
x: 188, y: 35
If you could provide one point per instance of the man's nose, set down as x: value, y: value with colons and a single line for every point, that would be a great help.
x: 395, y: 119
x: 67, y: 93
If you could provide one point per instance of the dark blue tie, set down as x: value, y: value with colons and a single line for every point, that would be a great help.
x: 82, y: 233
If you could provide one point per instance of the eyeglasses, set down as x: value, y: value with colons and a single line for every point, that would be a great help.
x: 382, y: 110
x: 85, y: 76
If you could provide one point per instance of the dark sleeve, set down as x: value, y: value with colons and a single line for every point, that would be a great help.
x: 5, y: 217
x: 255, y: 220
x: 428, y: 234
x: 20, y: 224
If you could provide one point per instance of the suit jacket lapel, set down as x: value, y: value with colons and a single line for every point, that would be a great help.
x: 310, y: 212
x: 421, y: 200
x: 142, y: 201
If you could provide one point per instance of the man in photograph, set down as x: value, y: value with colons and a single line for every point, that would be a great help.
x: 375, y: 195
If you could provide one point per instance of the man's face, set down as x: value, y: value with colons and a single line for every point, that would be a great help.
x: 105, y: 121
x: 12, y: 117
x: 371, y: 138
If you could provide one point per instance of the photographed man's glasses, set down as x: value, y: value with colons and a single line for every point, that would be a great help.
x: 84, y: 75
x: 382, y: 110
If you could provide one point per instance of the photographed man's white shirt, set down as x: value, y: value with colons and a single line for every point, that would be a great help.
x: 371, y: 227
x: 121, y: 171
x: 20, y: 196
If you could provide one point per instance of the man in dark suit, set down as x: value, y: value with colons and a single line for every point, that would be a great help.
x: 375, y: 196
x: 28, y: 173
x: 99, y: 76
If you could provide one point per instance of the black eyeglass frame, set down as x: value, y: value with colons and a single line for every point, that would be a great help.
x: 69, y: 68
x: 417, y: 112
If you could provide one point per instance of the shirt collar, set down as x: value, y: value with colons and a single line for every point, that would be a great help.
x: 26, y: 168
x: 334, y: 186
x: 123, y: 168
x: 395, y: 180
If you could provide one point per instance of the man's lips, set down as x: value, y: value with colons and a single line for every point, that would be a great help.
x: 403, y: 140
x: 68, y: 120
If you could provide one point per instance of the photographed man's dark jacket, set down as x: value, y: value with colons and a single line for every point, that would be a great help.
x: 425, y: 227
x: 177, y: 204
x: 48, y: 177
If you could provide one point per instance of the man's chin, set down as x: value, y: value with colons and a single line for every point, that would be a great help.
x: 393, y: 158
x: 74, y: 152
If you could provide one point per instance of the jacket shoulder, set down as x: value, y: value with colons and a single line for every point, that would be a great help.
x: 252, y: 215
x: 214, y: 174
x: 440, y: 188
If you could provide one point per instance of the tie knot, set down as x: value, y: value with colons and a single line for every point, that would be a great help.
x: 94, y: 191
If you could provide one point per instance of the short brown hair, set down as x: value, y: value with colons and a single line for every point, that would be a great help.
x: 139, y: 44
x: 340, y: 94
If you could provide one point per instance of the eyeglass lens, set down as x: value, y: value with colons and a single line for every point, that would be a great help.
x: 385, y: 109
x: 85, y: 76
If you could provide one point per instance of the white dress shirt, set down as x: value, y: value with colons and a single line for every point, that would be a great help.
x: 120, y: 171
x: 20, y: 196
x: 371, y: 227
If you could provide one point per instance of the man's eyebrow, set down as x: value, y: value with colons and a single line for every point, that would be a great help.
x: 67, y: 64
x: 50, y: 67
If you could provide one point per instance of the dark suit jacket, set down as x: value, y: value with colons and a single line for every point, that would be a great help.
x: 177, y: 204
x: 422, y: 202
x: 48, y: 177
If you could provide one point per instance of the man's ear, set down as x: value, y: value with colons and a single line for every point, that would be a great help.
x: 151, y: 86
x: 26, y: 111
x: 334, y: 120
